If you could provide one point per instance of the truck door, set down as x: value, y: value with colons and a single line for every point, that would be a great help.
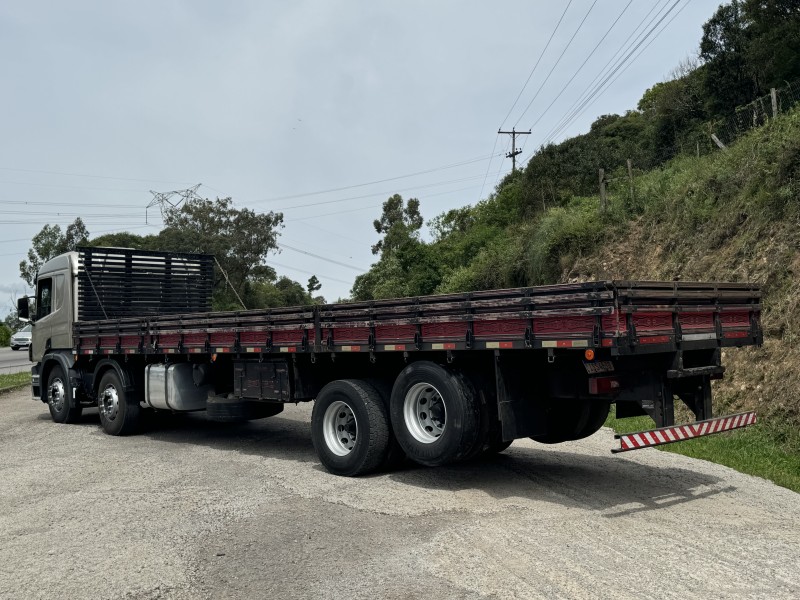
x: 42, y: 325
x: 52, y: 327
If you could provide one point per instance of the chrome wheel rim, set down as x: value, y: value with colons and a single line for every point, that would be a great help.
x: 108, y: 402
x: 424, y: 413
x: 57, y: 394
x: 340, y: 428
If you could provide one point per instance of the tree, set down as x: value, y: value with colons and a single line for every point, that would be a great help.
x: 407, y: 266
x: 240, y: 239
x: 313, y: 285
x: 728, y: 83
x: 399, y: 223
x: 49, y: 243
x: 126, y: 240
x: 773, y: 48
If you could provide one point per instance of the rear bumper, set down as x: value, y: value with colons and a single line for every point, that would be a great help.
x: 679, y: 433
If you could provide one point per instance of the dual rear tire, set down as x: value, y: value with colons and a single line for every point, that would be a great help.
x: 433, y: 415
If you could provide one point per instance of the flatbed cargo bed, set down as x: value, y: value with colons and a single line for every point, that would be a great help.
x: 624, y: 317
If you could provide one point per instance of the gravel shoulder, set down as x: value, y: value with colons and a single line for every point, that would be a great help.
x: 190, y: 509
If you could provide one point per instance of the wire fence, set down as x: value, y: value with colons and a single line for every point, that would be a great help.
x: 717, y: 135
x: 757, y: 113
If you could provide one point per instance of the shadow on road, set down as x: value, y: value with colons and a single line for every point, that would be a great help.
x: 616, y: 486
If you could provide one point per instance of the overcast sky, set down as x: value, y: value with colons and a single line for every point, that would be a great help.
x: 318, y: 109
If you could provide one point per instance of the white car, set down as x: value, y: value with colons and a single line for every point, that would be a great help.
x: 21, y: 339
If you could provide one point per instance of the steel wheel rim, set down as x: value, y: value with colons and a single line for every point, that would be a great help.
x: 108, y: 402
x: 340, y: 428
x: 57, y: 396
x: 424, y: 413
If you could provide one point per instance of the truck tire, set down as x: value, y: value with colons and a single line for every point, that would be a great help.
x: 598, y: 413
x: 488, y: 424
x: 565, y: 420
x: 435, y: 414
x: 350, y: 428
x: 224, y: 409
x: 395, y: 457
x: 59, y: 399
x: 119, y: 412
x: 263, y: 410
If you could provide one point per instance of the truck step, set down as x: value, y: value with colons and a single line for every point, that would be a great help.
x: 678, y: 433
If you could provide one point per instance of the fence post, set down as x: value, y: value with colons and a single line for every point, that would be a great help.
x: 630, y: 178
x: 774, y: 95
x: 602, y: 174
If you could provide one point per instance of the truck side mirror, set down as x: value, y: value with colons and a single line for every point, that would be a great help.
x: 24, y: 309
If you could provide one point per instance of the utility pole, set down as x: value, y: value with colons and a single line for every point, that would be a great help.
x: 514, y: 152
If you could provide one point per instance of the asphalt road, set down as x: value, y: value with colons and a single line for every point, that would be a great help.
x: 190, y: 509
x: 12, y: 361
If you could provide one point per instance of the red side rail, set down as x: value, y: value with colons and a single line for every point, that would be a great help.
x: 678, y: 433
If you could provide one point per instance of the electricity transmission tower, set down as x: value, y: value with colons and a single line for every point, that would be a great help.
x: 167, y: 201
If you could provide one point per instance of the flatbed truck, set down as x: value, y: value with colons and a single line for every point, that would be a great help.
x: 435, y: 379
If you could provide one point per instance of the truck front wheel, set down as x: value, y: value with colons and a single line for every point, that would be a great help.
x: 59, y: 397
x: 350, y: 428
x: 435, y: 414
x: 119, y: 413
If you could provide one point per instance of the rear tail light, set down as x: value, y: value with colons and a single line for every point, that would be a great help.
x: 603, y: 385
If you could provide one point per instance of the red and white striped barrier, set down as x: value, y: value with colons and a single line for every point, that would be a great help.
x: 678, y: 433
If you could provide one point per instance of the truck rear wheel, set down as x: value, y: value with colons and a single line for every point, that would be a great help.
x: 59, y: 397
x: 350, y: 428
x: 119, y: 413
x: 598, y: 413
x: 570, y: 421
x: 435, y: 414
x: 395, y: 457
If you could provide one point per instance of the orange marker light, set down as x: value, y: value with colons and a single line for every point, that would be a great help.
x: 589, y: 354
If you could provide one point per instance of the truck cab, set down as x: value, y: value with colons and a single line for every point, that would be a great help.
x: 51, y: 315
x: 55, y: 306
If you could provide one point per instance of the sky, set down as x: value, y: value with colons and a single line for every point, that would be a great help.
x: 317, y: 109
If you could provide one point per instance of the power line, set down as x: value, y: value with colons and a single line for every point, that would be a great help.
x: 611, y: 83
x: 42, y: 171
x: 290, y: 268
x: 70, y: 187
x: 533, y: 70
x: 350, y: 187
x: 379, y: 194
x: 599, y: 87
x: 373, y: 206
x: 326, y: 259
x: 613, y: 62
x: 569, y: 43
x: 489, y: 166
x: 583, y: 64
